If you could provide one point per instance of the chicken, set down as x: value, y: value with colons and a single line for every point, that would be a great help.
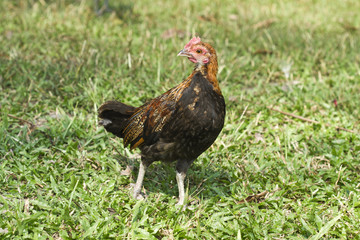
x: 178, y: 125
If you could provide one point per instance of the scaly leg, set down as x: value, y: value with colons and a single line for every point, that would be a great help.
x: 140, y: 179
x: 180, y: 177
x: 104, y: 8
x: 181, y: 168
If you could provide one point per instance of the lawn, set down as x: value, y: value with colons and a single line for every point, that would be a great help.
x: 285, y: 166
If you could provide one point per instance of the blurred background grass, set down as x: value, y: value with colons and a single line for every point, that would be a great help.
x: 60, y: 173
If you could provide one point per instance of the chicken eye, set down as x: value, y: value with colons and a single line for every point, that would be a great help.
x: 198, y: 51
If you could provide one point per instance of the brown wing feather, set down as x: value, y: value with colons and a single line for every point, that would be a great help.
x: 148, y: 120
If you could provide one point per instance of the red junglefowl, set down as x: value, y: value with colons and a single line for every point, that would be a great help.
x: 177, y: 126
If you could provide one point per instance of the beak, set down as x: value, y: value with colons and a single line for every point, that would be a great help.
x: 184, y: 53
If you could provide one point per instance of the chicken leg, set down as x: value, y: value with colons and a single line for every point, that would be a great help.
x: 181, y: 169
x: 100, y: 10
x: 139, y: 180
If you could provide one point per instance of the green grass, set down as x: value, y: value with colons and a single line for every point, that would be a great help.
x: 60, y: 173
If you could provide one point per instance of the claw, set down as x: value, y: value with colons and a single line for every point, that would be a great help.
x: 139, y: 196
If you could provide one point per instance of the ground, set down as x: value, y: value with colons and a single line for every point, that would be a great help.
x: 280, y: 169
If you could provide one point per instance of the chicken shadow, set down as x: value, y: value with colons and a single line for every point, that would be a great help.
x: 202, y: 182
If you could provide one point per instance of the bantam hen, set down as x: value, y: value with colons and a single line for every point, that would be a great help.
x: 178, y: 125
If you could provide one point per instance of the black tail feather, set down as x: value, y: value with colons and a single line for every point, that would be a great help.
x: 114, y: 116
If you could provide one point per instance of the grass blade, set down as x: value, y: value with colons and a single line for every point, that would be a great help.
x: 326, y: 228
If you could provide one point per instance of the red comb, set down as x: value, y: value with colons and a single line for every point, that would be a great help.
x: 194, y: 40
